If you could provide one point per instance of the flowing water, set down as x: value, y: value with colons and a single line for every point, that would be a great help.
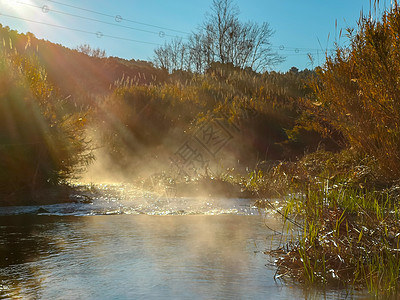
x: 131, y: 245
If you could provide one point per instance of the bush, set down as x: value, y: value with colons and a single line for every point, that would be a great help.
x: 41, y: 144
x: 357, y: 92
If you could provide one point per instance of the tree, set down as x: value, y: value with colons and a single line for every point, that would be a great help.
x: 221, y: 38
x: 94, y: 52
x: 172, y: 56
x: 42, y: 144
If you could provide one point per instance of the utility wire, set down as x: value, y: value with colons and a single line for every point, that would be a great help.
x: 98, y: 34
x: 118, y: 18
x: 46, y: 9
x: 297, y: 49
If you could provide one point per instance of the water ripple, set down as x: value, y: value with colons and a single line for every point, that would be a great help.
x: 117, y: 199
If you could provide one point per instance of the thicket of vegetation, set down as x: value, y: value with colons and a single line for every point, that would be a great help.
x: 264, y: 106
x: 349, y: 203
x: 42, y: 144
x: 136, y: 108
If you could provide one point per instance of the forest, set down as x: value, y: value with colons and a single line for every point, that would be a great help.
x: 325, y: 141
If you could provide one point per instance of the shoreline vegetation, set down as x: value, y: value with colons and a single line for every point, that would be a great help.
x: 346, y: 207
x: 325, y: 141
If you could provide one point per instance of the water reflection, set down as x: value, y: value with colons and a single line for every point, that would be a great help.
x: 138, y: 256
x: 127, y: 256
x: 21, y: 244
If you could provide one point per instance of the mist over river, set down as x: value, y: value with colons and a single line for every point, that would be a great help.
x: 123, y: 246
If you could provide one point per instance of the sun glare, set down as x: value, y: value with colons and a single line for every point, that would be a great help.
x: 18, y: 6
x: 26, y: 13
x: 10, y: 3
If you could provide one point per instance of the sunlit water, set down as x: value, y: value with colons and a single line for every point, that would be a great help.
x: 127, y: 245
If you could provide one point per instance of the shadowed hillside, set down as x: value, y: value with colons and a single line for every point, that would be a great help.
x: 75, y: 73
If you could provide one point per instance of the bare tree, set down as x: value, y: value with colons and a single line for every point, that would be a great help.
x: 222, y: 26
x: 201, y: 52
x: 172, y: 56
x: 221, y: 38
x: 94, y: 52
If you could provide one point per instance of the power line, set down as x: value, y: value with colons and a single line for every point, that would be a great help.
x: 298, y: 49
x: 303, y: 54
x: 98, y: 34
x: 46, y: 9
x: 117, y: 18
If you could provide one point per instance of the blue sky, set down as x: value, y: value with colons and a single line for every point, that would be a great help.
x: 301, y: 27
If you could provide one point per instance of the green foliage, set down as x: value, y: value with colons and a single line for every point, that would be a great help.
x: 349, y: 239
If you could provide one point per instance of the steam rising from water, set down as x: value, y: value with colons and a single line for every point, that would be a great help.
x: 127, y: 199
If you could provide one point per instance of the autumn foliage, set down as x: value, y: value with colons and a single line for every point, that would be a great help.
x: 357, y: 93
x: 42, y: 144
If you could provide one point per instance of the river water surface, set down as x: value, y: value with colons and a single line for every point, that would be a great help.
x: 127, y: 245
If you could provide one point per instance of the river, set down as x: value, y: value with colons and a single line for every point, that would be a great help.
x: 127, y: 245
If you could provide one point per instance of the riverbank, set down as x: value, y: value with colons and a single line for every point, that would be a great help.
x: 46, y: 196
x: 345, y: 224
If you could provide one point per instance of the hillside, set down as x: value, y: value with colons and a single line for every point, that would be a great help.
x: 75, y: 73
